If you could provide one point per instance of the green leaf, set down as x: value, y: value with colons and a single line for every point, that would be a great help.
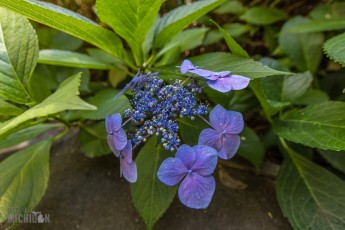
x: 318, y: 26
x: 105, y: 104
x: 310, y: 196
x: 303, y: 49
x: 8, y: 109
x: 150, y: 196
x: 19, y: 53
x: 235, y: 48
x: 232, y: 7
x: 312, y: 97
x: 26, y: 134
x: 185, y: 40
x: 321, y: 126
x: 64, y: 98
x: 180, y: 17
x: 49, y: 38
x: 296, y: 85
x: 24, y: 178
x: 93, y: 140
x: 70, y: 59
x: 190, y: 130
x: 335, y: 158
x: 223, y: 62
x: 130, y: 19
x: 251, y: 147
x: 68, y: 22
x: 335, y: 47
x: 263, y: 16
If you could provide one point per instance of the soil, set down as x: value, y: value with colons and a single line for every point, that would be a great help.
x: 88, y: 193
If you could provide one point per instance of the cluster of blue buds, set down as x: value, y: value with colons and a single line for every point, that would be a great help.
x: 156, y: 106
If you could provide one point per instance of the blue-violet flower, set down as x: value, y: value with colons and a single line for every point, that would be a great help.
x: 223, y: 137
x: 195, y: 165
x: 221, y: 81
x: 128, y: 168
x: 117, y: 138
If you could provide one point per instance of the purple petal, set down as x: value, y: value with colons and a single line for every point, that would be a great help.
x: 187, y: 155
x: 219, y: 118
x: 225, y: 84
x: 220, y: 85
x: 230, y: 144
x: 208, y: 74
x: 120, y: 139
x: 113, y: 122
x: 126, y: 152
x: 238, y: 82
x: 196, y: 191
x: 209, y: 137
x: 129, y: 170
x: 111, y: 143
x: 186, y: 66
x: 171, y: 171
x: 206, y: 160
x: 236, y: 123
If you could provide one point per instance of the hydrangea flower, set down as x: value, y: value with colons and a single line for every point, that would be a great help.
x: 224, y: 135
x: 156, y: 107
x: 194, y: 165
x: 128, y: 168
x: 221, y: 81
x: 117, y: 138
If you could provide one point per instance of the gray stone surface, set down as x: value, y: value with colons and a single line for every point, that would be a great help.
x: 88, y: 194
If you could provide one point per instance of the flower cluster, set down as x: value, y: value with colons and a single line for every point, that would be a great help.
x: 156, y: 106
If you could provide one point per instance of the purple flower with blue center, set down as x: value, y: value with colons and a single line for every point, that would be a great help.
x: 221, y: 81
x: 194, y: 165
x: 224, y: 135
x: 117, y: 138
x: 128, y: 168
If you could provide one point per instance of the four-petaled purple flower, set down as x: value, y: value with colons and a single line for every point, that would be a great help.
x: 117, y: 138
x: 221, y: 81
x: 128, y: 168
x: 223, y: 137
x: 195, y: 165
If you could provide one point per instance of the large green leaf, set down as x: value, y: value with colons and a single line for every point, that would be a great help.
x: 335, y: 47
x: 335, y: 158
x: 105, y: 104
x: 177, y: 19
x: 64, y: 98
x: 321, y: 126
x: 251, y: 147
x: 130, y: 19
x: 70, y: 59
x: 310, y: 196
x: 19, y: 53
x: 26, y: 134
x: 93, y: 140
x: 150, y: 196
x: 263, y: 16
x: 303, y: 49
x: 295, y: 86
x: 24, y: 178
x: 67, y: 21
x: 222, y: 62
x: 318, y: 26
x: 8, y: 109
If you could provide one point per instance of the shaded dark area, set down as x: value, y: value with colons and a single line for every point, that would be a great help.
x: 89, y: 194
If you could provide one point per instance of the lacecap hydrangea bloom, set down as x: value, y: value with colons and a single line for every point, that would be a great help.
x: 156, y: 108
